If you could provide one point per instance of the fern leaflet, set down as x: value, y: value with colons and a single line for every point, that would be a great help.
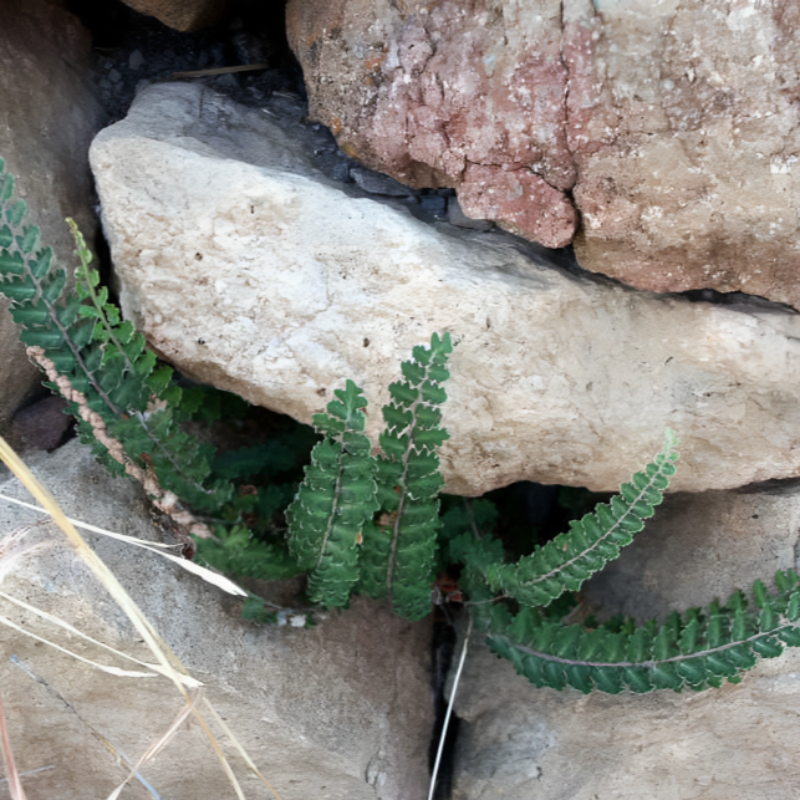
x: 335, y: 500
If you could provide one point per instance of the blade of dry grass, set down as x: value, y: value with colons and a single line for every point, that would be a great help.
x: 120, y: 673
x: 192, y: 683
x: 214, y: 578
x: 158, y: 745
x: 241, y: 749
x: 160, y: 649
x: 198, y: 73
x: 14, y: 782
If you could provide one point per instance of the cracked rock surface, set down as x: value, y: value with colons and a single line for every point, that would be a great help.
x: 662, y: 138
x: 248, y: 269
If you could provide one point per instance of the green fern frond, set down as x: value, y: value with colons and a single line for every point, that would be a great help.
x: 101, y: 357
x: 335, y: 501
x: 399, y: 550
x: 564, y: 563
x: 698, y: 650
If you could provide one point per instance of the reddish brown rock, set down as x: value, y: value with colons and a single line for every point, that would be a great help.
x: 447, y: 94
x: 676, y: 125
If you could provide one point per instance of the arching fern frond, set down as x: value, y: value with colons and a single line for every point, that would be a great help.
x: 101, y: 360
x: 695, y: 650
x: 398, y: 551
x: 564, y: 563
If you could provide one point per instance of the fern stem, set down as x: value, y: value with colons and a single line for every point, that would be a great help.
x: 85, y: 257
x: 332, y: 517
x: 403, y: 495
x: 75, y: 351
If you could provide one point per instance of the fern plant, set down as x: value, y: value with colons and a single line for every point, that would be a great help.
x: 365, y: 523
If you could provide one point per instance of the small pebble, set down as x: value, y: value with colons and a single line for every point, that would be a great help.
x: 136, y: 59
x: 378, y: 183
x: 44, y: 424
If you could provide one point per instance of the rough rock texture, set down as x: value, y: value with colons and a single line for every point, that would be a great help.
x: 249, y: 270
x: 440, y: 94
x: 182, y: 15
x: 734, y: 743
x: 342, y: 710
x: 713, y: 542
x: 675, y: 125
x: 47, y: 119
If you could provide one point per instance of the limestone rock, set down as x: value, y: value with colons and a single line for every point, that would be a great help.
x: 248, y: 269
x: 733, y: 743
x: 182, y: 15
x: 47, y: 119
x: 675, y: 127
x: 517, y: 741
x: 341, y: 710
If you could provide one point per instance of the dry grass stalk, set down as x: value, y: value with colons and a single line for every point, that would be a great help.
x: 168, y: 661
x: 14, y: 782
x: 214, y: 578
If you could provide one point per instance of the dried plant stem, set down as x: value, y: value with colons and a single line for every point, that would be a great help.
x: 443, y: 735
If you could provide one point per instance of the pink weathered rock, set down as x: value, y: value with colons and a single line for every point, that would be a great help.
x: 674, y: 125
x: 443, y: 95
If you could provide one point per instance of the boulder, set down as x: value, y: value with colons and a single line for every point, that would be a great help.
x: 733, y: 743
x: 436, y: 95
x: 247, y: 268
x: 675, y: 129
x: 183, y: 15
x: 48, y: 117
x: 340, y: 710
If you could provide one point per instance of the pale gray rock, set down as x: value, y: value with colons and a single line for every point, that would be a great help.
x: 248, y: 269
x: 733, y: 743
x: 48, y: 117
x: 341, y: 710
